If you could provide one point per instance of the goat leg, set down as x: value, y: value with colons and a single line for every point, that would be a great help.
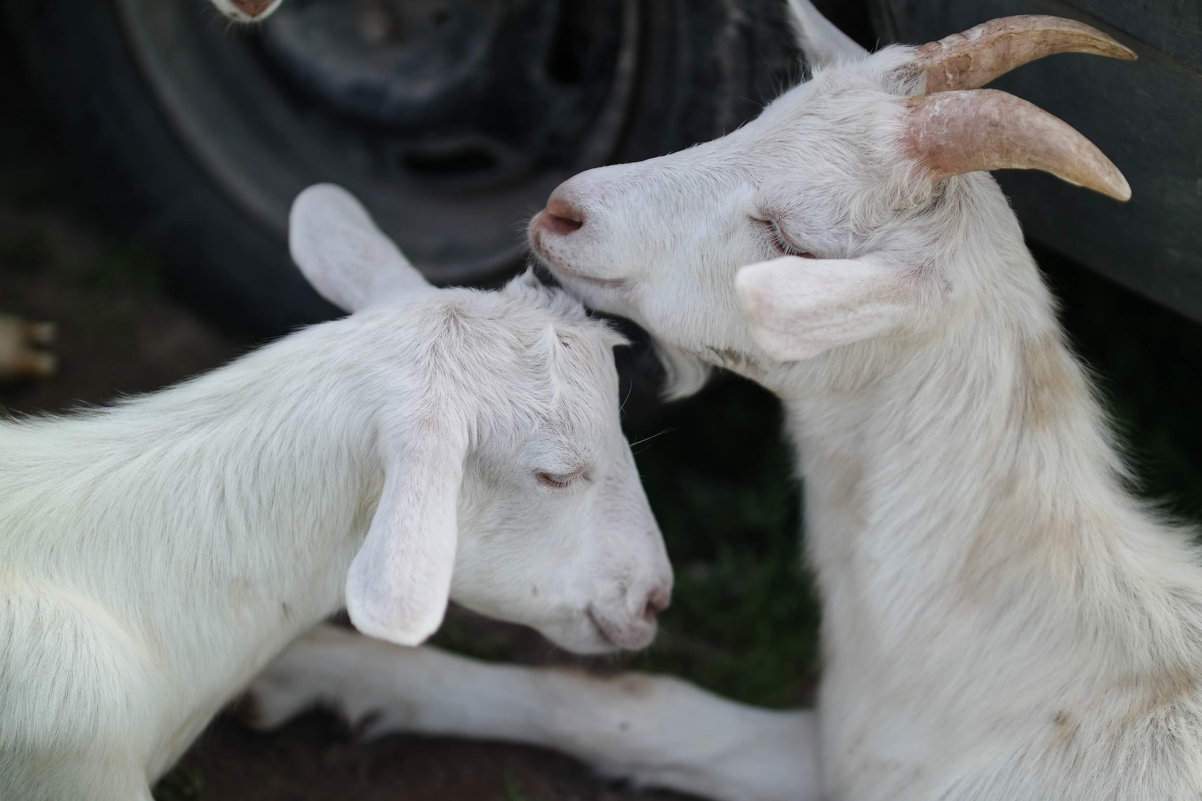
x: 650, y: 730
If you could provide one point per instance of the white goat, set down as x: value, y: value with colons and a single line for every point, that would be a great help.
x: 1003, y: 620
x: 435, y: 444
x: 21, y: 353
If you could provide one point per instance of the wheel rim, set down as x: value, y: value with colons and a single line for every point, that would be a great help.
x: 418, y: 106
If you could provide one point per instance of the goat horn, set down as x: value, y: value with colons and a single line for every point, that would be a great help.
x: 971, y: 59
x: 952, y: 133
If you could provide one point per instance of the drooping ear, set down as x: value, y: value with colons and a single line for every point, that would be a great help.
x: 343, y: 254
x: 820, y: 41
x: 798, y: 308
x: 400, y: 581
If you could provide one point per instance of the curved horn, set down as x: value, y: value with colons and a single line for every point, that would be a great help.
x: 952, y: 133
x: 972, y: 59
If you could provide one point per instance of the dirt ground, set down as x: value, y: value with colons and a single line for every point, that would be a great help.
x: 61, y: 259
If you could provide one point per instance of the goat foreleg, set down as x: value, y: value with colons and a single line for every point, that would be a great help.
x: 650, y: 730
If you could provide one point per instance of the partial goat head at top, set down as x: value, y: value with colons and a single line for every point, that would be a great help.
x: 247, y: 10
x: 864, y: 189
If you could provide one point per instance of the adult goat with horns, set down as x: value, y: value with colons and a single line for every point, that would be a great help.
x: 1003, y: 621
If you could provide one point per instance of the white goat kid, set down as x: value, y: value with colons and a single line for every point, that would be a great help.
x: 1003, y: 620
x: 434, y: 444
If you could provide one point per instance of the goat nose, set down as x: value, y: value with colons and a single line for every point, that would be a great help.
x: 659, y: 600
x: 560, y: 216
x: 252, y: 8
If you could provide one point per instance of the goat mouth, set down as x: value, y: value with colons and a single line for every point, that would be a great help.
x: 602, y: 629
x: 613, y: 635
x: 606, y: 283
x: 562, y: 272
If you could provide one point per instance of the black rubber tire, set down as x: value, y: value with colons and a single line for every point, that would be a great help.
x: 82, y: 69
x: 705, y: 66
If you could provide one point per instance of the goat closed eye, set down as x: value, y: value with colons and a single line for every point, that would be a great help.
x: 558, y: 480
x: 779, y: 241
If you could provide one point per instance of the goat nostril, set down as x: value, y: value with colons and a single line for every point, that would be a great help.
x: 252, y: 8
x: 560, y: 225
x: 657, y: 602
x: 562, y: 217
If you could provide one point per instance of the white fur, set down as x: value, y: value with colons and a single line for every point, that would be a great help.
x: 1003, y: 620
x: 156, y: 554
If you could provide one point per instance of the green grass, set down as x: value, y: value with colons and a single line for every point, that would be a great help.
x: 131, y: 267
x: 513, y: 791
x: 180, y: 784
x: 26, y: 249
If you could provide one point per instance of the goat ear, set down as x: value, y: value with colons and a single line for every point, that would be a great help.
x: 798, y: 308
x: 343, y: 254
x: 820, y: 41
x: 400, y: 581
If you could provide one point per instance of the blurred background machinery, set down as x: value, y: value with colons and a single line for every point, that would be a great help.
x: 453, y: 120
